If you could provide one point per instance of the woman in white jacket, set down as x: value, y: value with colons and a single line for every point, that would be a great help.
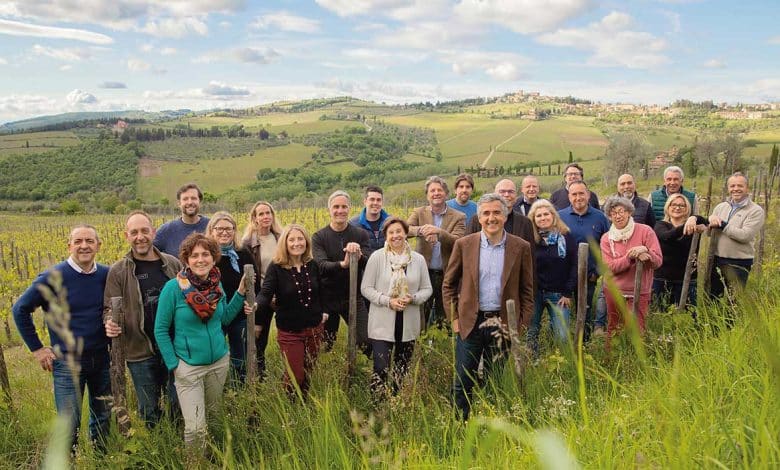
x: 396, y: 283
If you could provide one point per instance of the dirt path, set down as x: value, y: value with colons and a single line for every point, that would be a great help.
x: 490, y: 155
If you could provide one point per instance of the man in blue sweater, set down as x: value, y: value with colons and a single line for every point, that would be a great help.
x: 84, y: 281
x: 171, y: 234
x: 587, y: 224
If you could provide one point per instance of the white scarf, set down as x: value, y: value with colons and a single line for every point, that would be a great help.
x: 620, y: 235
x: 399, y: 286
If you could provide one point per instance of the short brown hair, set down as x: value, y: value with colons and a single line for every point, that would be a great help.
x: 394, y: 220
x: 186, y: 188
x: 198, y: 239
x: 464, y: 177
x: 282, y: 255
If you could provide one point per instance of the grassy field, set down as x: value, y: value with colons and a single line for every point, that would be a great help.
x: 160, y: 179
x: 686, y: 396
x: 35, y: 142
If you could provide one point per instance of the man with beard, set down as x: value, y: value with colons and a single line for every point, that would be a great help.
x: 643, y: 212
x: 171, y: 234
x: 464, y: 187
x: 138, y: 278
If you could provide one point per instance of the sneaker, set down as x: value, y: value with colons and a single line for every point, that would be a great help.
x: 599, y: 332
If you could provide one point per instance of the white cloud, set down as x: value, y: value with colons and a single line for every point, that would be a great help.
x: 16, y: 28
x: 714, y: 64
x: 430, y: 35
x: 361, y: 7
x: 674, y: 20
x: 498, y: 65
x: 168, y: 51
x: 14, y: 107
x: 112, y: 85
x: 137, y: 65
x: 373, y: 58
x: 66, y: 54
x: 78, y: 97
x: 774, y: 40
x: 118, y: 14
x: 66, y: 67
x: 612, y: 43
x: 522, y: 16
x: 148, y: 47
x: 225, y: 24
x: 220, y: 89
x: 175, y: 27
x: 246, y: 55
x: 3, y: 61
x: 286, y: 21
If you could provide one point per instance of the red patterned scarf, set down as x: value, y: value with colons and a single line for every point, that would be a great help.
x: 202, y: 295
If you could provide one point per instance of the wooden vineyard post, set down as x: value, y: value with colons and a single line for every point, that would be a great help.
x: 251, y: 346
x: 711, y: 246
x: 582, y: 293
x: 352, y: 339
x: 5, y: 384
x: 640, y: 268
x: 118, y: 382
x: 693, y: 254
x: 515, y: 346
x: 759, y: 261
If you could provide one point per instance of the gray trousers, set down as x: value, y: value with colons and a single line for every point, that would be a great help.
x: 199, y: 389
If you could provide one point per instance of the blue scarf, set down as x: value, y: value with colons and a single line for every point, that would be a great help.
x: 231, y: 253
x: 553, y: 238
x: 736, y: 206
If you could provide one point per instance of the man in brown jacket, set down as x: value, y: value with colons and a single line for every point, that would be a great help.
x: 436, y: 227
x: 138, y: 278
x: 486, y: 269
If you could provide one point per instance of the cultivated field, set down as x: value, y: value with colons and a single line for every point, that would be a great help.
x: 35, y: 142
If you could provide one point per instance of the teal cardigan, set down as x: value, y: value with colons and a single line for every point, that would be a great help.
x: 194, y: 342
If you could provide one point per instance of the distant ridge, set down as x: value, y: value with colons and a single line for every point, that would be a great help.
x: 42, y: 121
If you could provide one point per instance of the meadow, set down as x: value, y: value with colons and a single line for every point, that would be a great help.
x: 35, y: 142
x: 689, y: 395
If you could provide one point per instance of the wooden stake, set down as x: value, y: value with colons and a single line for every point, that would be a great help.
x: 582, y: 291
x: 515, y: 346
x: 118, y: 382
x: 713, y: 234
x: 353, y: 300
x: 251, y: 346
x: 5, y: 384
x: 640, y: 267
x: 693, y: 254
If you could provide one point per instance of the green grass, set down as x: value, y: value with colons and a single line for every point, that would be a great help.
x: 161, y: 179
x: 17, y: 144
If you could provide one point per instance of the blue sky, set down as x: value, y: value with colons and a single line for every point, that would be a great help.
x: 91, y: 55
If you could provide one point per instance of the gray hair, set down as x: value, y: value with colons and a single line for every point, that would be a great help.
x: 337, y: 193
x: 86, y: 226
x: 438, y: 180
x: 618, y: 201
x: 490, y: 197
x: 674, y: 169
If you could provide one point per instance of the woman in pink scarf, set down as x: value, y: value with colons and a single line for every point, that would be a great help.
x: 622, y: 247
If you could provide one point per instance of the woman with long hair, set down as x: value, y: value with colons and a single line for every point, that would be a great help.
x: 555, y: 256
x: 293, y: 280
x: 260, y: 238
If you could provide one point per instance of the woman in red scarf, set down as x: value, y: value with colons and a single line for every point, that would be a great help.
x: 191, y: 312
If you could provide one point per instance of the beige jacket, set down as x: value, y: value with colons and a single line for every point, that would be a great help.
x: 453, y: 226
x: 738, y: 238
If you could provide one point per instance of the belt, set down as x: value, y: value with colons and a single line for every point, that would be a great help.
x: 489, y: 313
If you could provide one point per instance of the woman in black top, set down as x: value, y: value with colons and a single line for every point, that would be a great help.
x: 293, y: 278
x: 675, y: 234
x: 222, y: 228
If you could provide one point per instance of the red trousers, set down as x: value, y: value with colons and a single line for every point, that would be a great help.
x: 299, y: 349
x: 614, y: 320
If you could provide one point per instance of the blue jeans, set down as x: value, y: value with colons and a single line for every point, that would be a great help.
x: 93, y: 375
x: 150, y: 378
x: 236, y: 333
x: 480, y: 342
x: 559, y: 319
x: 601, y: 309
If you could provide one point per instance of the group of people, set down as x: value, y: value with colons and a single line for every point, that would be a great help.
x: 183, y: 285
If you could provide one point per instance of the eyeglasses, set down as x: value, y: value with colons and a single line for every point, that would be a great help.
x: 223, y: 229
x: 506, y: 191
x: 573, y: 174
x: 618, y: 212
x: 677, y: 206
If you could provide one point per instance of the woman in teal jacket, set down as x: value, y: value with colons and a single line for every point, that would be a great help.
x: 191, y: 311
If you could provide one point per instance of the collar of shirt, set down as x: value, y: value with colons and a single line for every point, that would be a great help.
x: 485, y: 243
x: 573, y: 212
x: 440, y: 213
x: 78, y: 269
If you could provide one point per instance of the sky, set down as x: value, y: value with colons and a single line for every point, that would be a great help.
x: 95, y: 55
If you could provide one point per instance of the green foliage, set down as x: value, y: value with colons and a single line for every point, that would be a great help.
x: 773, y: 157
x: 93, y: 166
x: 183, y: 149
x: 626, y: 153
